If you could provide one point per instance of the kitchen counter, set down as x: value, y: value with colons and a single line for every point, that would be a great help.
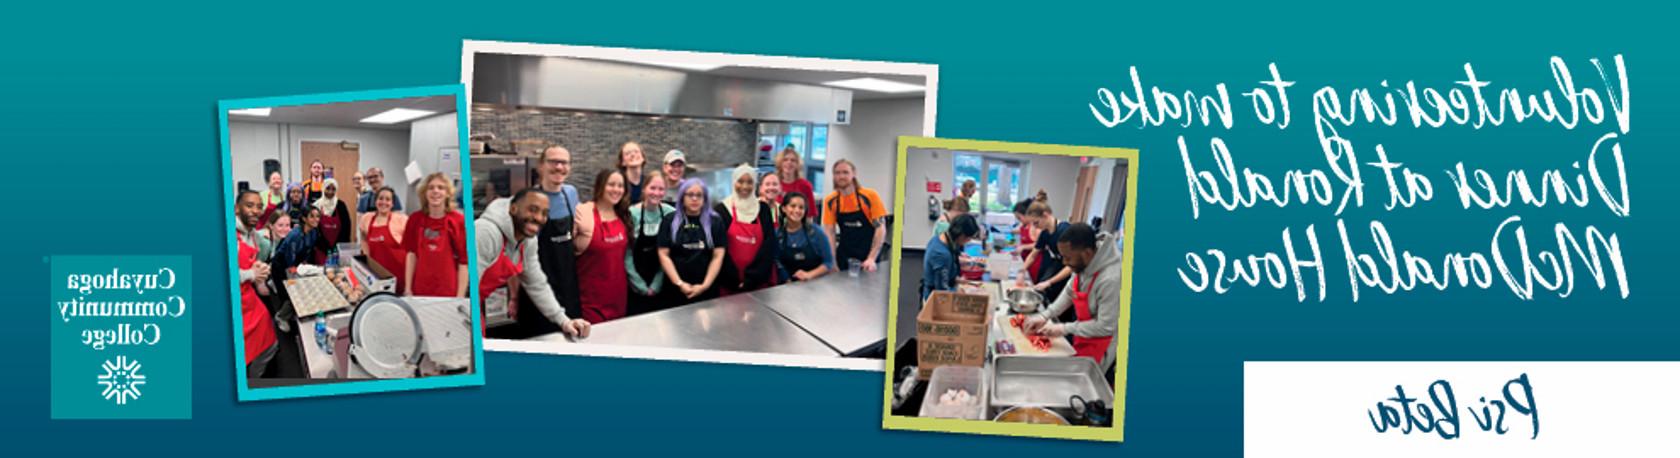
x: 849, y: 314
x: 734, y: 323
x: 835, y: 315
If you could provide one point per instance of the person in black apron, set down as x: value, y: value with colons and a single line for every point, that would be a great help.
x: 859, y: 231
x: 1052, y: 271
x: 554, y: 248
x: 691, y: 244
x: 802, y: 249
x: 646, y: 274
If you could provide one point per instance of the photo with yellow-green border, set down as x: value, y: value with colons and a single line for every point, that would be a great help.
x: 1114, y: 433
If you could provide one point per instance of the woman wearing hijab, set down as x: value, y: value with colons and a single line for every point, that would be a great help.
x: 641, y: 263
x: 752, y: 258
x: 436, y: 241
x: 802, y: 248
x: 602, y: 240
x: 382, y: 231
x: 335, y: 216
x: 692, y: 242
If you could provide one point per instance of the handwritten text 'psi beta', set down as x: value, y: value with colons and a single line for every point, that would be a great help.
x: 1439, y: 414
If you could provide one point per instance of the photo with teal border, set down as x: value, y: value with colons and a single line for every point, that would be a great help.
x: 350, y: 243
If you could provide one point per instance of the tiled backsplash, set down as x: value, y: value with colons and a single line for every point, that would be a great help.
x: 594, y: 138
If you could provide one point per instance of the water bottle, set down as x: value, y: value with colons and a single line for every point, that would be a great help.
x: 321, y: 332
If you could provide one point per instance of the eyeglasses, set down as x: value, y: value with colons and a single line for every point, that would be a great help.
x: 557, y: 162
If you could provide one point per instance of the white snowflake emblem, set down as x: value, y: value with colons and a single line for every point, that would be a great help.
x: 122, y: 380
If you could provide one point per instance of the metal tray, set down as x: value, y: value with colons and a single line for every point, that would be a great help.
x: 1046, y: 381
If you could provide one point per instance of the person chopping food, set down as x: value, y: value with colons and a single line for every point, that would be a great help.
x: 510, y: 274
x: 1093, y: 292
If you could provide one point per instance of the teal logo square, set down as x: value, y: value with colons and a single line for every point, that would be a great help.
x: 121, y: 337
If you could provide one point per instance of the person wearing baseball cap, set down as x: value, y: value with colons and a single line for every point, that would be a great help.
x: 676, y: 165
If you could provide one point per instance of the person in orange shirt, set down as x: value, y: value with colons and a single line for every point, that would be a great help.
x: 857, y: 218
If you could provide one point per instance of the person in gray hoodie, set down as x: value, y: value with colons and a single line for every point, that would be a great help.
x: 1094, y: 293
x: 506, y: 235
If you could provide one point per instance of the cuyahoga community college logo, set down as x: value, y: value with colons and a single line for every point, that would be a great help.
x: 122, y: 380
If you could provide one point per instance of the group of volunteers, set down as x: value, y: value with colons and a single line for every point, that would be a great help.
x: 651, y: 238
x: 302, y: 223
x: 1075, y: 267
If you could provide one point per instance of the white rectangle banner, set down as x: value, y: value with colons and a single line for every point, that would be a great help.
x: 1451, y: 409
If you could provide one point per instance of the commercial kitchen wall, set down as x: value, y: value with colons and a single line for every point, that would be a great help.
x: 252, y: 142
x: 871, y: 141
x: 1055, y: 174
x: 594, y: 138
x: 434, y: 145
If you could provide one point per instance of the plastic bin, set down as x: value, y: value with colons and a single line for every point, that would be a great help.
x: 946, y: 378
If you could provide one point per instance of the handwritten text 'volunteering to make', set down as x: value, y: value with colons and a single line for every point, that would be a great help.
x: 1596, y: 178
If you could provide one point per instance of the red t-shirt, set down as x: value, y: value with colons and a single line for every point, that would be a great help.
x: 801, y: 186
x: 426, y: 237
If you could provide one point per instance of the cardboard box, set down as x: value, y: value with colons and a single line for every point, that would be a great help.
x: 951, y: 330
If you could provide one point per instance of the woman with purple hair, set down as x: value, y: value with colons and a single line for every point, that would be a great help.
x: 295, y: 204
x: 692, y: 243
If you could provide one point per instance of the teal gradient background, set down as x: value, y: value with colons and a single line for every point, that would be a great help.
x: 109, y: 130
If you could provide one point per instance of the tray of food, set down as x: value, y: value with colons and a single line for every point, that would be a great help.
x: 1046, y: 382
x: 330, y: 290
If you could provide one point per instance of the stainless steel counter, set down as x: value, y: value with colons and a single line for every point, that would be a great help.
x: 830, y: 316
x: 847, y: 313
x: 734, y: 323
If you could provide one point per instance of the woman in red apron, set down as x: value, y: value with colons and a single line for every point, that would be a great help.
x: 603, y: 287
x: 751, y: 258
x: 1027, y: 237
x: 382, y: 232
x: 435, y: 240
x: 272, y: 198
x: 335, y: 219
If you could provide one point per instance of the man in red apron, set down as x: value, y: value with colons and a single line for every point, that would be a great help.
x: 511, y: 274
x: 258, y: 327
x: 1093, y: 292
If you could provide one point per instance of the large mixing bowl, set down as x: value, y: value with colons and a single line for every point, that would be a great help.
x: 1024, y: 300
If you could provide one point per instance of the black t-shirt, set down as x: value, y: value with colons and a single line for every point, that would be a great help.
x: 691, y: 251
x: 1052, y: 255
